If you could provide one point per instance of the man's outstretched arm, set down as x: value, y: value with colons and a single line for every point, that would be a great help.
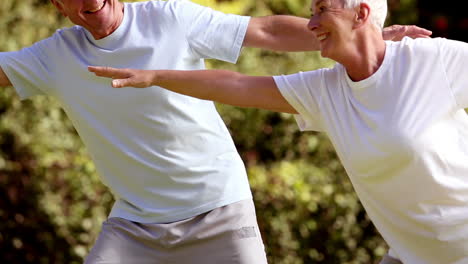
x: 280, y: 33
x: 290, y: 33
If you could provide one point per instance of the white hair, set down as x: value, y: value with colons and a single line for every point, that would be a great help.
x: 378, y: 10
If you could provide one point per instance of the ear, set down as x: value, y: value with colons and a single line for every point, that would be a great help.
x: 59, y: 5
x: 362, y: 15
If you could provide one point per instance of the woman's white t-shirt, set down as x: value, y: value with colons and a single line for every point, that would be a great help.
x: 402, y: 136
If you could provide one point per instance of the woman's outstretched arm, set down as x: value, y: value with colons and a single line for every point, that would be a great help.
x: 221, y: 86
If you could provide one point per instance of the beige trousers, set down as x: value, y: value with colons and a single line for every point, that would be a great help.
x: 227, y: 235
x: 390, y: 260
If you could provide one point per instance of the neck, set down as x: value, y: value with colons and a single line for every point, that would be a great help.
x: 119, y: 9
x: 366, y: 57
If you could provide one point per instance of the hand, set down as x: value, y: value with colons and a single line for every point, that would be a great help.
x: 398, y: 32
x: 124, y: 77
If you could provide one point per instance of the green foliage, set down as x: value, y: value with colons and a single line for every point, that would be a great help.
x: 52, y: 203
x: 402, y: 12
x: 310, y: 214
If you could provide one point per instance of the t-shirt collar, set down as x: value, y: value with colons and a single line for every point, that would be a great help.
x: 377, y: 75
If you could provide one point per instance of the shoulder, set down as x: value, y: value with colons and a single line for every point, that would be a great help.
x: 323, y: 72
x: 328, y: 75
x: 160, y: 10
x: 314, y: 78
x: 147, y: 5
x: 70, y: 33
x: 161, y: 5
x: 61, y: 36
x: 320, y: 77
x: 141, y: 8
x: 155, y: 8
x: 419, y: 45
x: 427, y: 47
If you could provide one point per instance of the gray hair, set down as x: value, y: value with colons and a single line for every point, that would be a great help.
x: 378, y: 10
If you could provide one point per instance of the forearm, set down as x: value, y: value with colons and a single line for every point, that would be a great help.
x: 214, y: 85
x: 281, y: 33
x: 221, y: 86
x: 225, y: 87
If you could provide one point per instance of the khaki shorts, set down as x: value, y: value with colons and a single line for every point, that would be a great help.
x: 227, y: 235
x: 390, y: 260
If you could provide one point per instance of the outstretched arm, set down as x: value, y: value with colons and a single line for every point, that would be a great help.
x: 290, y: 33
x: 4, y: 81
x: 281, y: 33
x: 222, y: 86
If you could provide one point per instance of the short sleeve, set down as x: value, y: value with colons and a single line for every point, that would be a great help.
x: 303, y: 91
x: 455, y: 58
x: 211, y: 34
x: 26, y: 70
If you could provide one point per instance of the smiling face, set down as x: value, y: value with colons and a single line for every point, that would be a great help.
x: 99, y: 17
x: 333, y: 26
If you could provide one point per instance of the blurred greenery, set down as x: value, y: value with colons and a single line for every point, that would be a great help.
x: 52, y: 203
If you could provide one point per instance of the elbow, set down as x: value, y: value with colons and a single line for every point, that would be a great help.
x: 4, y: 81
x: 261, y: 33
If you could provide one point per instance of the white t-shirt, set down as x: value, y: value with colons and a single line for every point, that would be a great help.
x: 165, y: 156
x: 402, y: 136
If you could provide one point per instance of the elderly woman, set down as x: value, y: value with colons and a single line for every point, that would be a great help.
x: 393, y: 110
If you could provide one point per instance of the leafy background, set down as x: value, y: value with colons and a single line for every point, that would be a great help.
x: 52, y: 203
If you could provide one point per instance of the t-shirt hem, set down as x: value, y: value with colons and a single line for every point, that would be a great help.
x: 117, y: 212
x: 300, y: 118
x: 239, y: 41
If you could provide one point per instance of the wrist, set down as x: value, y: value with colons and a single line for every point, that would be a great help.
x: 155, y: 77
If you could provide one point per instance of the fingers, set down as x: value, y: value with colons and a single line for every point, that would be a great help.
x: 417, y: 31
x: 394, y: 32
x: 119, y: 83
x: 398, y: 32
x: 118, y: 75
x: 108, y: 72
x: 419, y: 36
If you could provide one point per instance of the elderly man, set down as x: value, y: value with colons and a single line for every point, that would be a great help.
x: 393, y: 110
x: 182, y: 194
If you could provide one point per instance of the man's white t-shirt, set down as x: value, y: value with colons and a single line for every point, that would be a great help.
x: 402, y: 136
x: 165, y: 156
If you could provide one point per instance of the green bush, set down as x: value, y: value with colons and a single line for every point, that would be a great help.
x: 52, y: 203
x: 311, y: 215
